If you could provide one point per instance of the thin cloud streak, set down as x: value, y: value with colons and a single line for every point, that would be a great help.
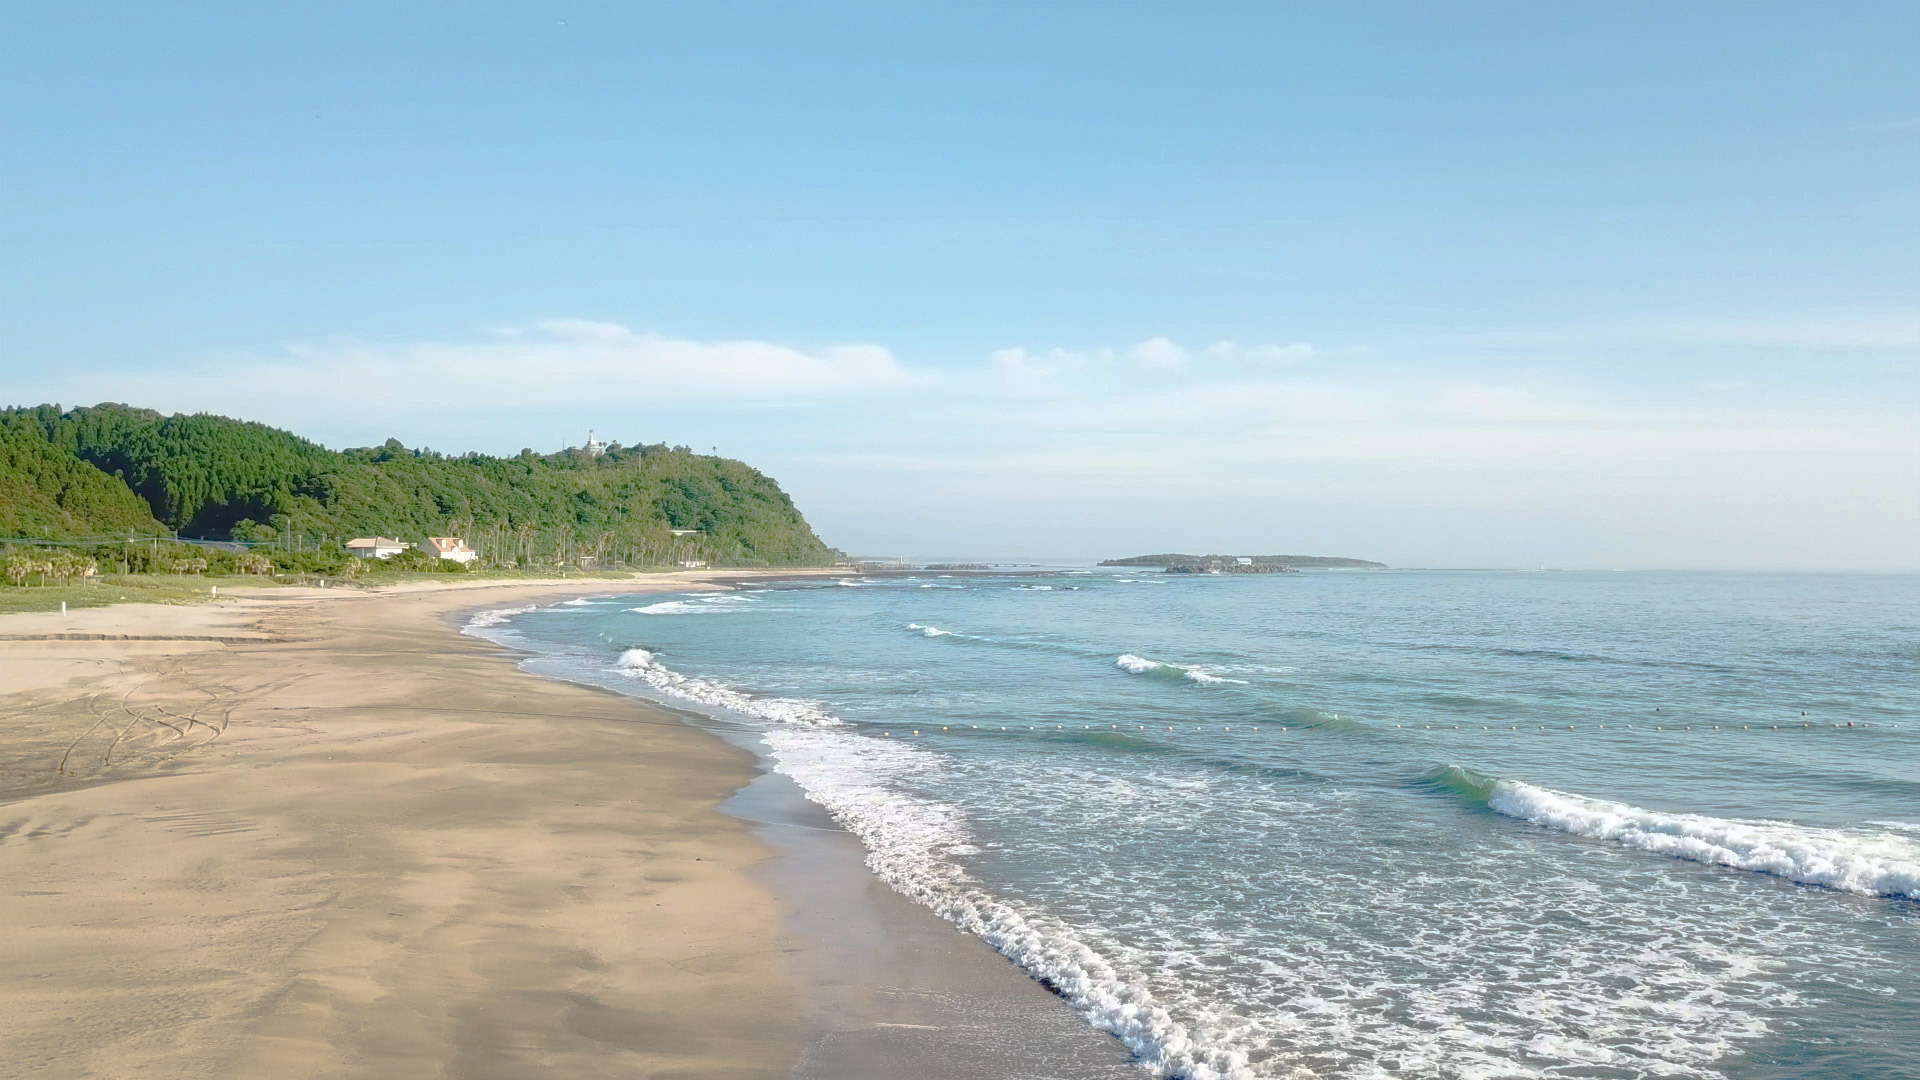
x: 1839, y: 333
x: 553, y: 363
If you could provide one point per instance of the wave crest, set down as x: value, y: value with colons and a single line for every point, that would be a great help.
x: 1859, y: 863
x: 1140, y: 665
x: 640, y: 664
x: 717, y: 604
x: 497, y: 616
x: 1466, y: 783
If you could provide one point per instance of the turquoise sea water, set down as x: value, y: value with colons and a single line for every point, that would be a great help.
x: 1361, y: 824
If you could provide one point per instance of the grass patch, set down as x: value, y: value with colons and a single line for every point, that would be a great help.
x: 122, y: 589
x: 198, y: 588
x: 376, y: 578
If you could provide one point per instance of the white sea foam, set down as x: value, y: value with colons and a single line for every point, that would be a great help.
x: 1867, y: 864
x: 716, y: 604
x: 497, y: 616
x: 676, y: 607
x: 640, y: 664
x: 915, y: 846
x: 929, y: 631
x: 1140, y: 665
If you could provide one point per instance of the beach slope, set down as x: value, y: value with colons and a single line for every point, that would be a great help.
x: 320, y: 834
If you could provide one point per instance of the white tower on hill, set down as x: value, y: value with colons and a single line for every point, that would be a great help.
x: 594, y: 447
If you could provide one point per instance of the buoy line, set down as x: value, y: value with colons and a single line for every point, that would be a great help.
x: 1484, y: 728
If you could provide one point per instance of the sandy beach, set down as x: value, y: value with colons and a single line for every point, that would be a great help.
x: 320, y: 833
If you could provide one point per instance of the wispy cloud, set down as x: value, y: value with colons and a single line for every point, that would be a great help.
x: 555, y: 362
x: 1813, y: 333
x: 1053, y: 370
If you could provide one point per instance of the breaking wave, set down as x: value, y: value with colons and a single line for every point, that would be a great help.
x: 1865, y: 864
x: 1470, y: 785
x: 640, y: 664
x: 497, y: 616
x: 1140, y: 665
x: 929, y: 631
x: 717, y: 604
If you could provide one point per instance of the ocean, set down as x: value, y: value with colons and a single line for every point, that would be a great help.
x: 1359, y: 823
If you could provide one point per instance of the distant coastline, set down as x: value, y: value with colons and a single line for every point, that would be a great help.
x: 1176, y: 563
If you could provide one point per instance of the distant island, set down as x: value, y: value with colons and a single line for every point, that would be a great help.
x: 1174, y: 563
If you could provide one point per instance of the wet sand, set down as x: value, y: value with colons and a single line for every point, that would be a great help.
x: 320, y: 833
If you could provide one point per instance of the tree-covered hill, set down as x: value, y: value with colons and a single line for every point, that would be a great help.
x: 213, y: 477
x: 45, y: 491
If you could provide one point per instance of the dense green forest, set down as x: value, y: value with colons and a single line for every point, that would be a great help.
x: 112, y: 469
x: 45, y: 491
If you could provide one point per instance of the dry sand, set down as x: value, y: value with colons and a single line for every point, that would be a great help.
x: 319, y: 833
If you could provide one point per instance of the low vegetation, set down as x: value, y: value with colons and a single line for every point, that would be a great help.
x: 115, y: 589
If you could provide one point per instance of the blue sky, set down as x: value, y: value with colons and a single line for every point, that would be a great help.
x: 1471, y: 284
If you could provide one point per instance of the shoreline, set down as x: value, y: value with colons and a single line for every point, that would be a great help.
x: 892, y: 989
x: 320, y: 833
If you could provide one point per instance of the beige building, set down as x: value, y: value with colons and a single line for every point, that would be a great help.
x: 451, y: 547
x: 375, y: 547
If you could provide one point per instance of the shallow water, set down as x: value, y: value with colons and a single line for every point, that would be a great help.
x: 1363, y: 824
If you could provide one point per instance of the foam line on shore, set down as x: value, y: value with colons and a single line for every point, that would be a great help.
x: 915, y: 846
